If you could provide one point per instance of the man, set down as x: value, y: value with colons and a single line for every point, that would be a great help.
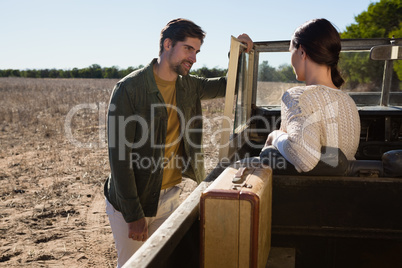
x: 155, y: 135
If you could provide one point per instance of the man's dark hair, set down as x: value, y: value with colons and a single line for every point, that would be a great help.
x: 178, y: 30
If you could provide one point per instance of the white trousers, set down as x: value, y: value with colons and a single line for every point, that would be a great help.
x: 126, y: 247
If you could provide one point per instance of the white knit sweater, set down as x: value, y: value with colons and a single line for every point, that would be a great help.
x: 315, y: 116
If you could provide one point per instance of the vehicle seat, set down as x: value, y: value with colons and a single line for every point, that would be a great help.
x: 389, y: 166
x: 392, y: 163
x: 333, y: 162
x: 365, y: 168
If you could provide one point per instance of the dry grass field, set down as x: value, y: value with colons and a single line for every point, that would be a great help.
x: 53, y: 163
x: 270, y: 93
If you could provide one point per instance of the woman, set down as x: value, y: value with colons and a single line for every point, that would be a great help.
x: 318, y: 114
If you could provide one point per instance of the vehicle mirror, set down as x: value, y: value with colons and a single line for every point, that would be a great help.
x: 386, y: 52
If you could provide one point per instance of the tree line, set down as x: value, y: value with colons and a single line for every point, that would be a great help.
x: 93, y: 71
x: 96, y: 71
x: 283, y: 73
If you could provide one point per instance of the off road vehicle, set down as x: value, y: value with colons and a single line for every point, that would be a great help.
x: 353, y: 220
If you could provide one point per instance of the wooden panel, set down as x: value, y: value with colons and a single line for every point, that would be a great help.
x: 260, y: 196
x: 221, y: 239
x: 245, y: 229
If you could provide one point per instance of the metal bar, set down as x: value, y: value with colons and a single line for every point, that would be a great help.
x: 255, y: 76
x: 386, y: 82
x: 250, y: 72
x: 347, y: 44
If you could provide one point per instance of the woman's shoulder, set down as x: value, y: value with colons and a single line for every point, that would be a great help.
x: 312, y: 91
x: 324, y: 94
x: 322, y: 88
x: 296, y: 89
x: 295, y: 92
x: 291, y: 96
x: 318, y: 90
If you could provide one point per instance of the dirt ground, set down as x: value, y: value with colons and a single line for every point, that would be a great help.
x: 53, y: 163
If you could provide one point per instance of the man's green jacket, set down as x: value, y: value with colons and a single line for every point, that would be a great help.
x: 137, y: 126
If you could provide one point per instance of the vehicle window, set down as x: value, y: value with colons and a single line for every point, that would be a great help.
x: 275, y: 76
x: 239, y: 95
x: 363, y: 78
x: 242, y: 86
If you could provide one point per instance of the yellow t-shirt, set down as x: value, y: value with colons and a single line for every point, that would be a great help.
x: 173, y: 148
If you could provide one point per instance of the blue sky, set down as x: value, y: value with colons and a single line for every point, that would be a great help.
x: 78, y: 33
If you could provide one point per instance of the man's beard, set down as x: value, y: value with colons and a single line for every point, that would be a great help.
x: 179, y: 69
